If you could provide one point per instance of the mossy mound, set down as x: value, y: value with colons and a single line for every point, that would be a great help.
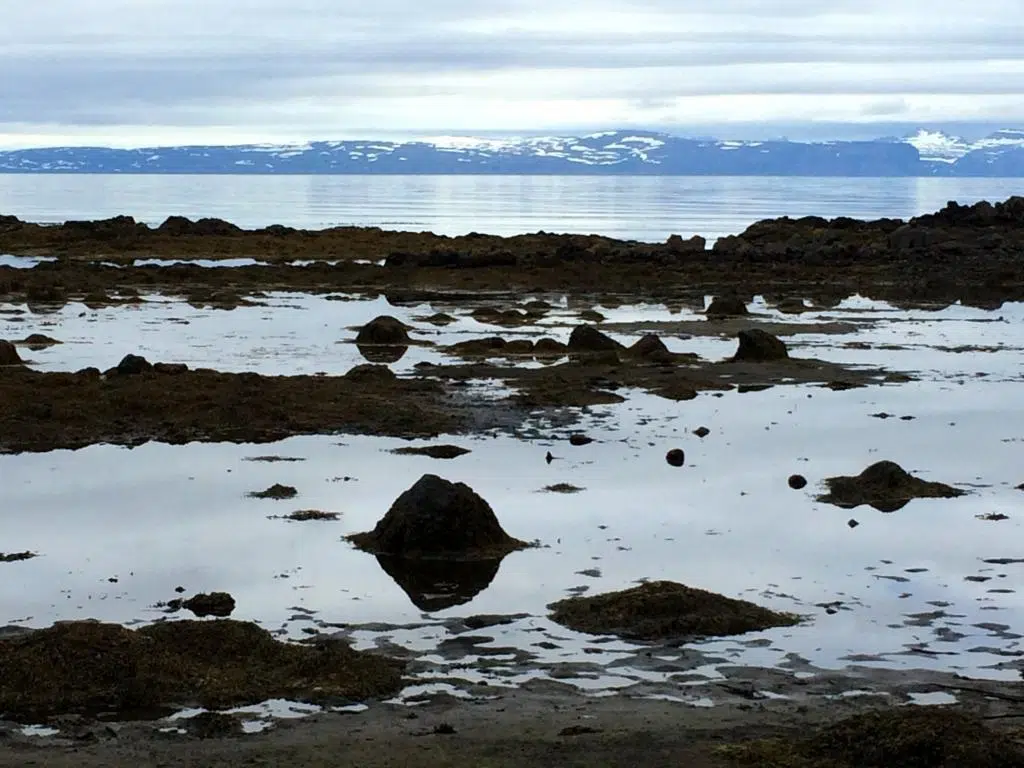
x: 436, y: 518
x: 664, y: 610
x: 9, y: 354
x: 91, y: 667
x: 384, y: 329
x: 908, y: 737
x: 885, y: 486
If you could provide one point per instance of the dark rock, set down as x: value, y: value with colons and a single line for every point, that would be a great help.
x: 702, y: 432
x: 592, y: 316
x: 586, y: 338
x: 88, y: 666
x: 578, y: 440
x: 213, y: 725
x: 15, y: 557
x: 885, y: 486
x: 37, y: 341
x: 9, y: 354
x: 759, y: 346
x: 852, y: 523
x: 796, y: 482
x: 438, y: 518
x: 485, y: 347
x: 726, y: 306
x: 170, y: 369
x: 549, y: 347
x: 695, y: 244
x: 792, y: 306
x: 676, y: 457
x: 133, y: 365
x: 276, y: 491
x: 664, y: 610
x: 433, y: 451
x: 213, y: 604
x: 384, y: 329
x: 371, y: 373
x: 650, y: 347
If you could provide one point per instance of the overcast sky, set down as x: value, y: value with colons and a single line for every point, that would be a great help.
x: 131, y: 72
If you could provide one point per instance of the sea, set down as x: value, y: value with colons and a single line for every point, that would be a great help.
x: 636, y: 208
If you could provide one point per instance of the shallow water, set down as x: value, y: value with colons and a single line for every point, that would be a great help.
x: 118, y: 529
x: 641, y: 208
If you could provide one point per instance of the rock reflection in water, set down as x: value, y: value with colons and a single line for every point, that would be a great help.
x: 434, y: 585
x: 383, y: 353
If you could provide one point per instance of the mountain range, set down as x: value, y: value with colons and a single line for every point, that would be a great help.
x: 924, y: 153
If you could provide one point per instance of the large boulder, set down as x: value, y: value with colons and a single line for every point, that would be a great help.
x: 886, y: 486
x: 759, y: 346
x: 9, y: 354
x: 436, y: 518
x: 650, y: 348
x: 664, y: 610
x: 586, y: 338
x: 726, y: 306
x: 384, y: 329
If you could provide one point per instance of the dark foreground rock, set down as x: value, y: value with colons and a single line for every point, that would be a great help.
x: 276, y: 491
x: 663, y: 610
x: 758, y: 346
x: 436, y: 518
x: 906, y: 737
x: 886, y: 486
x: 87, y: 667
x: 9, y: 353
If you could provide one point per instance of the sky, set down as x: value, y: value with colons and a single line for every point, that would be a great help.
x: 150, y: 72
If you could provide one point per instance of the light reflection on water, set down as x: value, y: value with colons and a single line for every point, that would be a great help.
x: 157, y: 516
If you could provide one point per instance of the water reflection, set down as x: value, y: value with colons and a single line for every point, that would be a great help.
x: 434, y: 585
x: 383, y: 353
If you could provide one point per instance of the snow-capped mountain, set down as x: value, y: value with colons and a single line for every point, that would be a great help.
x: 935, y: 146
x: 925, y: 153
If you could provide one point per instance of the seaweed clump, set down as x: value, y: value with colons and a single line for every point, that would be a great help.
x: 907, y: 737
x: 886, y: 486
x: 664, y: 610
x: 92, y: 667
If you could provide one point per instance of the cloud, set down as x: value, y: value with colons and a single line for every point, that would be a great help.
x: 300, y: 68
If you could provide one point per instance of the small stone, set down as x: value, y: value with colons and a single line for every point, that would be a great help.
x: 676, y: 457
x: 796, y: 482
x: 702, y: 432
x: 580, y: 440
x: 852, y: 523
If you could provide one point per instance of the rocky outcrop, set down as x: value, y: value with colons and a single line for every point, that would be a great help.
x: 886, y: 486
x: 663, y: 610
x: 586, y: 338
x: 726, y: 306
x: 436, y: 518
x: 386, y: 330
x: 757, y: 346
x: 213, y: 604
x: 9, y: 354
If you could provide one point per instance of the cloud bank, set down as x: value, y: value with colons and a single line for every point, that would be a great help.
x: 147, y: 71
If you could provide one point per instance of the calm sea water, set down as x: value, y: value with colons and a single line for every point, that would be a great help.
x: 641, y: 208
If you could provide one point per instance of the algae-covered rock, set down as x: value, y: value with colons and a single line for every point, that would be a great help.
x: 664, y: 610
x: 438, y: 518
x: 726, y: 306
x: 88, y: 667
x: 9, y: 353
x: 758, y: 346
x: 586, y: 338
x: 433, y: 451
x: 211, y: 604
x: 904, y: 737
x: 884, y: 485
x: 384, y: 329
